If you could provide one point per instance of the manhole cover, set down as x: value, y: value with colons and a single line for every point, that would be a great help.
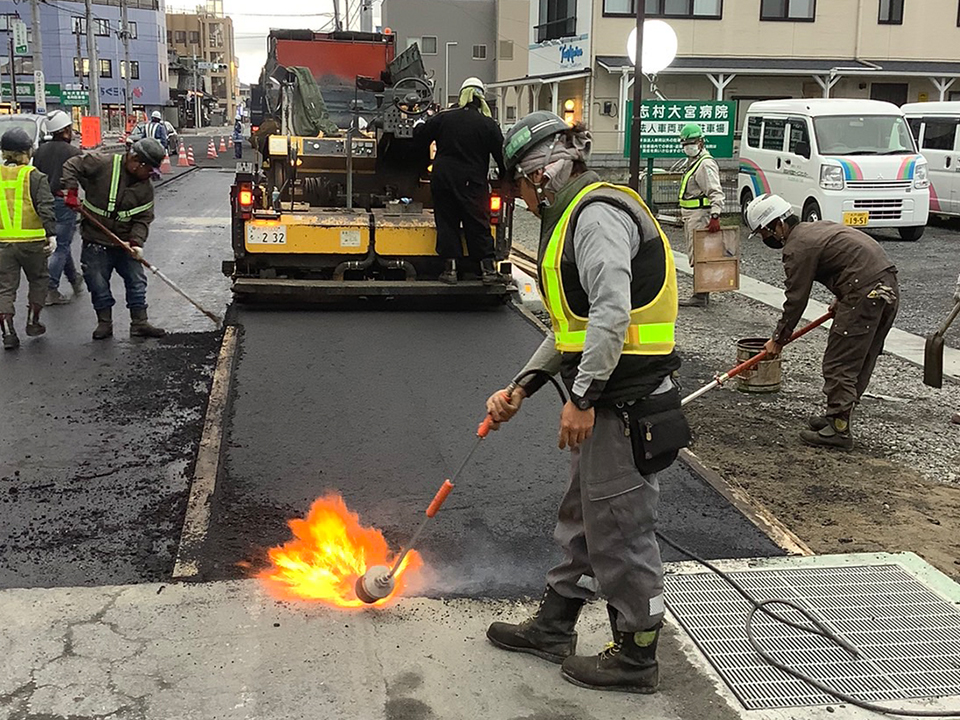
x: 908, y: 636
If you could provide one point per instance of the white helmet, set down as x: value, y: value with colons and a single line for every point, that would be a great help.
x: 155, y: 115
x: 473, y: 82
x: 764, y: 210
x: 57, y: 121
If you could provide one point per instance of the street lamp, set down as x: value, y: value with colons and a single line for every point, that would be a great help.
x: 655, y: 52
x: 446, y: 77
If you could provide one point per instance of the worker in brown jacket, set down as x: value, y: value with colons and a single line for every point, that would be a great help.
x: 118, y: 192
x: 851, y: 265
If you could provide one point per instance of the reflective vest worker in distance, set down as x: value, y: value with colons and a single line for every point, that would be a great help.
x: 19, y: 221
x: 653, y: 288
x: 111, y: 210
x: 697, y: 202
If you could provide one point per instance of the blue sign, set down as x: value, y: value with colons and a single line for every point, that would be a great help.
x: 570, y: 54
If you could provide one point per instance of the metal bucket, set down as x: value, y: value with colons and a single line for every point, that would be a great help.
x: 764, y: 377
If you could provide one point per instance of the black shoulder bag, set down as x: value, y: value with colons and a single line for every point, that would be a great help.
x: 657, y: 429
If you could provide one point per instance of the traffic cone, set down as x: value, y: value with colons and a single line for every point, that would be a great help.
x: 182, y: 157
x: 223, y: 144
x: 190, y: 160
x: 212, y: 151
x: 165, y: 165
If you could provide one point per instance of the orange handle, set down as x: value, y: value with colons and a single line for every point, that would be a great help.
x: 438, y: 499
x: 484, y: 429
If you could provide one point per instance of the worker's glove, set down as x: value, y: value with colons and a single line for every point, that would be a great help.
x: 714, y: 225
x: 137, y: 252
x: 72, y: 199
x: 50, y: 246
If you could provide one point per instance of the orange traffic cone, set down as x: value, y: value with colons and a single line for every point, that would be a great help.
x: 211, y: 151
x: 165, y: 165
x: 182, y: 157
x: 223, y: 144
x: 190, y: 160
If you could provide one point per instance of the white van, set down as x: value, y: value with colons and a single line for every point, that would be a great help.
x: 934, y: 126
x: 850, y: 161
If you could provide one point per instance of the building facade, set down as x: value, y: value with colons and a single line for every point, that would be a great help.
x: 65, y: 60
x: 202, y: 49
x: 457, y: 39
x: 739, y: 50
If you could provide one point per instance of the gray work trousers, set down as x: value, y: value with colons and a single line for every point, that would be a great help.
x: 30, y: 258
x: 693, y: 220
x: 606, y: 525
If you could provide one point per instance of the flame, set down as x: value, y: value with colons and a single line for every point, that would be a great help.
x: 330, y: 549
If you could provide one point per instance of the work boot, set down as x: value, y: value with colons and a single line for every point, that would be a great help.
x: 696, y: 300
x: 549, y: 634
x: 10, y: 339
x: 817, y: 422
x: 449, y: 274
x: 78, y: 285
x: 628, y: 664
x: 488, y: 272
x: 104, y: 327
x: 35, y: 328
x: 836, y: 434
x: 139, y: 327
x: 55, y: 297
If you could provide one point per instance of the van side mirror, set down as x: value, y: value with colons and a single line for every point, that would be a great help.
x: 803, y: 149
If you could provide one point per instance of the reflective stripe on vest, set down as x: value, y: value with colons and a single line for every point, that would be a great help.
x: 111, y: 211
x: 25, y: 224
x: 693, y: 203
x: 651, y: 329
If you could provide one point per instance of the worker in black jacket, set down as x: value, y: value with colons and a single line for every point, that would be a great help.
x: 466, y: 138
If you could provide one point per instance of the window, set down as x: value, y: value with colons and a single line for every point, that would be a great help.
x: 891, y: 12
x: 939, y: 134
x: 511, y: 113
x: 6, y: 21
x: 76, y: 67
x: 169, y: 37
x: 863, y: 135
x: 711, y: 9
x: 773, y: 132
x: 558, y: 19
x: 132, y: 30
x: 795, y: 10
x: 79, y: 25
x: 22, y: 65
x: 194, y: 37
x: 754, y: 126
x: 429, y: 45
x: 101, y: 28
x: 479, y: 52
x: 106, y: 68
x: 180, y: 36
x: 798, y: 134
x: 506, y: 49
x: 134, y: 69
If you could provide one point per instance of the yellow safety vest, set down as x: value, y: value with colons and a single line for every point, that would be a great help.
x: 19, y: 221
x: 651, y: 330
x: 693, y: 203
x: 111, y: 210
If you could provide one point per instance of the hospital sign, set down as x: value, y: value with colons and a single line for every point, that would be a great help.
x: 662, y: 120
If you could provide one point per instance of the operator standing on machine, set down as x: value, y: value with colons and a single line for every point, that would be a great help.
x: 466, y: 137
x: 608, y: 281
x: 701, y: 196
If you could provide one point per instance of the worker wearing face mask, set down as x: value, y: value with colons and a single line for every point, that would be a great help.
x: 701, y: 196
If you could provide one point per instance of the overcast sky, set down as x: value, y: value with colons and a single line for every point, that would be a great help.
x: 253, y: 19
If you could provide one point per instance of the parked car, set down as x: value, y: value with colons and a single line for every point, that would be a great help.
x: 34, y: 125
x: 850, y: 161
x: 935, y: 127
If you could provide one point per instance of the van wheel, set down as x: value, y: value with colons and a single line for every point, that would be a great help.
x: 911, y: 233
x: 746, y: 197
x: 811, y: 212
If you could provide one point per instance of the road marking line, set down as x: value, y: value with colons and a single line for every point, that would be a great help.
x: 196, y: 522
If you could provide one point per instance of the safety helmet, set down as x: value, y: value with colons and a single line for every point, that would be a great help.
x: 529, y: 132
x: 150, y: 151
x: 691, y: 132
x: 765, y: 210
x: 16, y: 140
x: 57, y: 121
x: 473, y: 82
x: 155, y: 115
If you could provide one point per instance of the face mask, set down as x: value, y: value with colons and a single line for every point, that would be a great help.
x: 691, y: 150
x: 772, y: 241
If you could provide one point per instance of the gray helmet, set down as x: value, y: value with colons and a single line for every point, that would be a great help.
x: 150, y: 151
x: 17, y: 140
x: 527, y: 133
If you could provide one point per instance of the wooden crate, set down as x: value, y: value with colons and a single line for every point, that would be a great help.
x: 716, y: 261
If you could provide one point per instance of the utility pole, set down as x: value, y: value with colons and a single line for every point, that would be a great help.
x: 93, y: 61
x: 41, y: 102
x: 366, y: 16
x: 125, y: 36
x: 13, y: 80
x: 637, y: 99
x: 336, y: 15
x: 196, y: 92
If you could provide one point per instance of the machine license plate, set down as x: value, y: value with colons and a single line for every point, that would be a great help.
x: 266, y: 234
x: 857, y: 219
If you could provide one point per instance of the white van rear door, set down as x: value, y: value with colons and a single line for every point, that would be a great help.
x: 938, y: 143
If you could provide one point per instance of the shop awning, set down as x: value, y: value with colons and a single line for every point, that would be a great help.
x: 616, y: 64
x: 541, y: 79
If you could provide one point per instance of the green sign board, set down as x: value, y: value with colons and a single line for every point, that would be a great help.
x: 25, y: 91
x: 75, y: 97
x: 662, y: 121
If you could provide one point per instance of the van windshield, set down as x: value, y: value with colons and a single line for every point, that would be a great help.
x: 863, y: 135
x: 28, y: 126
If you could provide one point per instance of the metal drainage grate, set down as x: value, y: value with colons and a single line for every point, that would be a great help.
x: 908, y: 636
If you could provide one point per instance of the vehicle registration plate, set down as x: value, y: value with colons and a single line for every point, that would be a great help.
x: 857, y: 219
x: 266, y: 234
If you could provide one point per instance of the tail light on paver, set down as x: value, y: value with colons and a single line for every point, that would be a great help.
x: 496, y: 205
